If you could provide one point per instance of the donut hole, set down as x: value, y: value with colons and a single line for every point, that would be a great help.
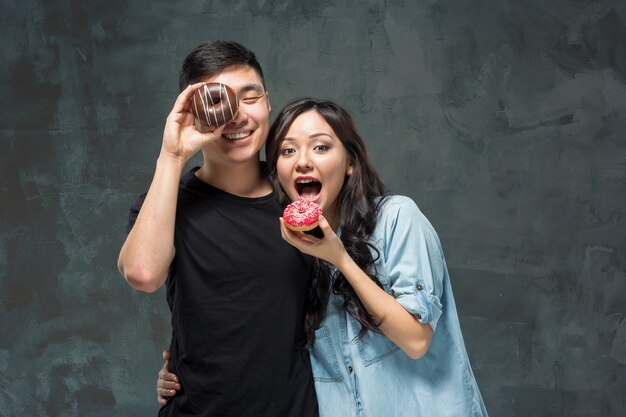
x: 214, y: 104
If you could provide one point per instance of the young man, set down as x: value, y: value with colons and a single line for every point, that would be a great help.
x: 236, y: 290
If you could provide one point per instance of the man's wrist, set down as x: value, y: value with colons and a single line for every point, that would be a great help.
x: 171, y: 162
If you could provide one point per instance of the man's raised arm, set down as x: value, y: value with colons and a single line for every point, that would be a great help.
x: 148, y: 251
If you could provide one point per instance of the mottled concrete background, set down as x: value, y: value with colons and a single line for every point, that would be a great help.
x: 505, y: 120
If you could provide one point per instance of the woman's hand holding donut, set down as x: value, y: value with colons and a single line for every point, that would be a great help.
x: 329, y: 248
x: 181, y: 139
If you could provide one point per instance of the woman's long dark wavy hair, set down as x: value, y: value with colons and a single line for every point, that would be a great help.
x: 358, y: 204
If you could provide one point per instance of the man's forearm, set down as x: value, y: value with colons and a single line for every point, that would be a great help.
x: 148, y: 250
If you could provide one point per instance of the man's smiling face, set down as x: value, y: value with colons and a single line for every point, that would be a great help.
x: 243, y: 137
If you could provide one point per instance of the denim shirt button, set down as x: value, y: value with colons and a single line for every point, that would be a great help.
x: 419, y: 287
x: 349, y: 368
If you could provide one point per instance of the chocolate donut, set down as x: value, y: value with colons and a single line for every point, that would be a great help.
x: 302, y: 215
x: 215, y: 104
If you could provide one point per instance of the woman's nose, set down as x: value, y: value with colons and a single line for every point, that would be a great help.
x: 304, y: 162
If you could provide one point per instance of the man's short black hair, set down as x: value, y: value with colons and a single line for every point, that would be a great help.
x: 213, y: 57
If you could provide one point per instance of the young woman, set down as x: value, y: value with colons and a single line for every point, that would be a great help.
x: 381, y: 321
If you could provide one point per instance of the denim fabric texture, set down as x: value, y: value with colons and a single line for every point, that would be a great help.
x: 372, y: 377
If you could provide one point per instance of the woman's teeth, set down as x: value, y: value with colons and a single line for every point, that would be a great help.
x: 308, y: 188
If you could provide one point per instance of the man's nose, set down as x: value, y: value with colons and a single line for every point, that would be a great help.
x: 239, y: 119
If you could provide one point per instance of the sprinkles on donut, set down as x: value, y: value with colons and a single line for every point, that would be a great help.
x: 302, y: 215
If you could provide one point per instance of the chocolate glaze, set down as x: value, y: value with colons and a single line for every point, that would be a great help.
x: 214, y: 104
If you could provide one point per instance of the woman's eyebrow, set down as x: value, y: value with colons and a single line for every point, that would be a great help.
x: 313, y: 136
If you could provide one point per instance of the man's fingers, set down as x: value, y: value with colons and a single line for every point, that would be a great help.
x: 165, y: 393
x: 167, y: 384
x: 215, y: 133
x: 167, y: 376
x: 163, y: 398
x: 182, y: 102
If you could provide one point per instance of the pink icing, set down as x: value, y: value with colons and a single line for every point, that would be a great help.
x: 302, y: 213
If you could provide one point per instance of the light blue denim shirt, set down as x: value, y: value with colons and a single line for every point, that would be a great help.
x: 372, y: 377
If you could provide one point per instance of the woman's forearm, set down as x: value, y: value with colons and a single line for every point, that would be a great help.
x: 394, y: 320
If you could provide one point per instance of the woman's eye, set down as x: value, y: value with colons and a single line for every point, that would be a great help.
x: 321, y: 148
x: 287, y: 151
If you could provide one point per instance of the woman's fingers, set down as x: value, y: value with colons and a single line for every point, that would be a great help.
x: 311, y: 240
x: 325, y: 226
x: 298, y: 239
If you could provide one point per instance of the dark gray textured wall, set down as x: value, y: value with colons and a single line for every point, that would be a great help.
x: 504, y: 120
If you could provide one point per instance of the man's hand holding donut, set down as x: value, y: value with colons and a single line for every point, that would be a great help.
x: 181, y: 138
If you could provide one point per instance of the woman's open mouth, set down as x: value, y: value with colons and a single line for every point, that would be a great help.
x: 308, y: 187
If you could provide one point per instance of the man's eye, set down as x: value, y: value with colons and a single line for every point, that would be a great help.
x: 252, y: 100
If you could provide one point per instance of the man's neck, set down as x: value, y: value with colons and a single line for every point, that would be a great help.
x: 243, y: 179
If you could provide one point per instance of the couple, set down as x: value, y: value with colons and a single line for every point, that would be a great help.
x: 361, y: 322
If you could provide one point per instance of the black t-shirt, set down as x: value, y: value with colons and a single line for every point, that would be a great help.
x: 236, y: 291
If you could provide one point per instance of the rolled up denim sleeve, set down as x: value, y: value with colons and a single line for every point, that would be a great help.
x: 414, y: 259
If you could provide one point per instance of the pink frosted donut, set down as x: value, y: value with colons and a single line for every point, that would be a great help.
x: 214, y: 104
x: 302, y: 215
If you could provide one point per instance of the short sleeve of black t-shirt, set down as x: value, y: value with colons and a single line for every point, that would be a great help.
x: 134, y: 212
x: 236, y: 291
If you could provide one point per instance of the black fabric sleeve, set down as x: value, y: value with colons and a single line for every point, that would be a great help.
x: 134, y: 212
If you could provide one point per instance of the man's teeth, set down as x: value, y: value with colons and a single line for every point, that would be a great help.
x: 236, y: 136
